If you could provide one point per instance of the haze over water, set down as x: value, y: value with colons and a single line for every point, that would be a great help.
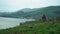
x: 11, y: 22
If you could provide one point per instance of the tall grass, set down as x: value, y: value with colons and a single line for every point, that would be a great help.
x: 34, y: 28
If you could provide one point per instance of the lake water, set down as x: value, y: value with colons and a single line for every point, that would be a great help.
x: 11, y: 22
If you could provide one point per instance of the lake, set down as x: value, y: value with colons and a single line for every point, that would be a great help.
x: 11, y: 22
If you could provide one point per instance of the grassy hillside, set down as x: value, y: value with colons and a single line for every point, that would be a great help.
x: 34, y: 28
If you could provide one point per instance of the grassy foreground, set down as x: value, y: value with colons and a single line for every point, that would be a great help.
x: 34, y: 28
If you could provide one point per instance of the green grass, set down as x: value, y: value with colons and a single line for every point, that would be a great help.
x: 34, y: 28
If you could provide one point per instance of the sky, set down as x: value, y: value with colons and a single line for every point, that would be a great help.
x: 14, y: 5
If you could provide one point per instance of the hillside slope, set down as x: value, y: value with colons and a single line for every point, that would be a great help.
x: 51, y: 11
x: 34, y: 28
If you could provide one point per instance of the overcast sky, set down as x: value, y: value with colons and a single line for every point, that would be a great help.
x: 13, y: 5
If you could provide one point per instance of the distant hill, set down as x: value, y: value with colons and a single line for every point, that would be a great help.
x: 50, y: 12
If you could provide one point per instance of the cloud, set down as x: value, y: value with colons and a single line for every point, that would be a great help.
x: 19, y: 4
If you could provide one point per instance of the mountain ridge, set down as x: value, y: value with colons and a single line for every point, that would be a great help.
x: 50, y: 11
